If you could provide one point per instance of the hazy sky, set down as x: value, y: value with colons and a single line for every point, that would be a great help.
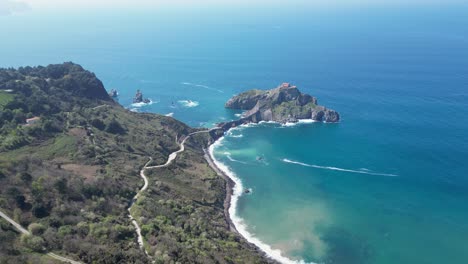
x: 10, y: 6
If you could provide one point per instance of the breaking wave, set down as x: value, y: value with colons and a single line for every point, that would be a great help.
x: 138, y: 105
x: 188, y: 103
x: 228, y: 155
x: 241, y: 227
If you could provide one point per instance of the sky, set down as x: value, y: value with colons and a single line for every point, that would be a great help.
x: 15, y: 6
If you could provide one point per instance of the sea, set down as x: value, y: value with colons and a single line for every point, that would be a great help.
x: 387, y: 184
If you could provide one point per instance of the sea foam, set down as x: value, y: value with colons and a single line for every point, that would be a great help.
x: 138, y: 105
x: 238, y: 222
x: 228, y: 155
x: 188, y: 103
x: 362, y: 171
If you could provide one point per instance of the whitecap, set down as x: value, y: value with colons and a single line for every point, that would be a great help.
x: 138, y: 105
x: 339, y: 169
x: 170, y: 114
x: 188, y: 103
x: 238, y: 222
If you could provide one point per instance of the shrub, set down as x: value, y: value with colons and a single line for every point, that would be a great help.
x: 97, y: 123
x: 34, y: 243
x: 36, y: 229
x: 115, y: 127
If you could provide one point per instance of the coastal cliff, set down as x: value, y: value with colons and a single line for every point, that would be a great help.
x: 283, y: 104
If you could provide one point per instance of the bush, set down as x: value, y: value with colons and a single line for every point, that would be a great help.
x: 97, y: 123
x: 34, y: 243
x: 115, y: 127
x: 36, y: 229
x: 25, y: 177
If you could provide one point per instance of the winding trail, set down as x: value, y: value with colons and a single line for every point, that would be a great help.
x: 171, y: 158
x: 26, y: 232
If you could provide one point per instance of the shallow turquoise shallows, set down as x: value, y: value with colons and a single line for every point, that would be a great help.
x: 388, y: 184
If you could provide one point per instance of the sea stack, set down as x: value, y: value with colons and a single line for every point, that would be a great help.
x: 113, y: 93
x: 139, y: 98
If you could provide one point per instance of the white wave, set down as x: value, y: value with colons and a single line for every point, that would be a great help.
x: 188, y: 103
x: 238, y: 115
x: 339, y: 169
x: 289, y: 124
x: 237, y: 136
x: 134, y: 110
x: 170, y: 114
x: 306, y: 121
x: 203, y: 86
x: 249, y: 125
x: 228, y: 155
x: 138, y: 105
x: 238, y: 222
x: 299, y: 122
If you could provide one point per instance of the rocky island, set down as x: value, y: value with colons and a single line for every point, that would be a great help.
x: 284, y: 104
x: 139, y: 98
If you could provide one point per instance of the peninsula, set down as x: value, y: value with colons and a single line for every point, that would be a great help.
x: 284, y: 104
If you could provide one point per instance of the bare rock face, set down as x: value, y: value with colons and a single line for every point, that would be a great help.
x: 282, y: 104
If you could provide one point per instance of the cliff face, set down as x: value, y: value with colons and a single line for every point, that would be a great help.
x: 282, y: 104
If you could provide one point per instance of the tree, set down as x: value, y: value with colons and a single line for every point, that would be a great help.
x: 61, y: 185
x: 36, y: 229
x: 33, y: 242
x: 97, y: 123
x: 115, y: 127
x: 25, y: 177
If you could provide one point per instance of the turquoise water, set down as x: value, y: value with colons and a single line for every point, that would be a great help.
x: 386, y: 185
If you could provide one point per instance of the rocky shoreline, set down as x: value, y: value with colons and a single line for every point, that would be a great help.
x: 229, y: 190
x: 230, y: 185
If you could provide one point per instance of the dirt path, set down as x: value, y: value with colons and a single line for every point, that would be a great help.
x: 24, y: 231
x: 171, y: 158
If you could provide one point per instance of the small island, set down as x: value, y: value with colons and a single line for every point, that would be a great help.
x: 139, y: 98
x: 284, y: 104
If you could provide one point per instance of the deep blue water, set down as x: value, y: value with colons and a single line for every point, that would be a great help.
x: 399, y: 78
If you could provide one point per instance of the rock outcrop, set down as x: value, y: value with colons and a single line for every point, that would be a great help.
x: 139, y: 98
x: 283, y: 104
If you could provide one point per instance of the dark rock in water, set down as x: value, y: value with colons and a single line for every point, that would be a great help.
x: 283, y: 104
x: 247, y: 191
x: 139, y: 98
x: 113, y: 93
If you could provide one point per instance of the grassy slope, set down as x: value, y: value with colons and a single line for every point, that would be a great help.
x: 84, y: 184
x: 182, y: 213
x: 5, y: 98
